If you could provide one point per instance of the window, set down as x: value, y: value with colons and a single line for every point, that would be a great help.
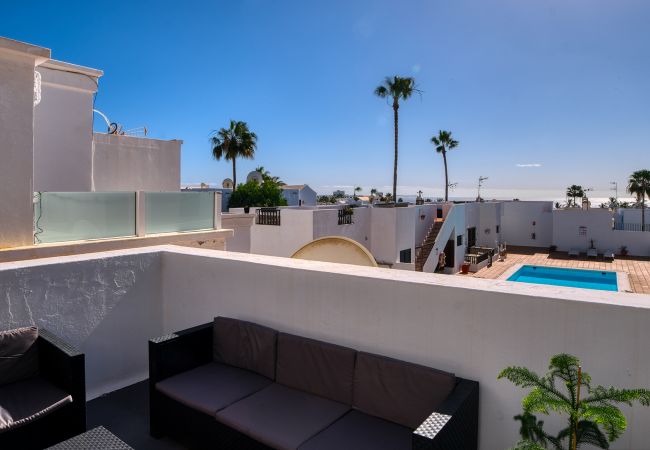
x: 582, y: 231
x: 498, y: 228
x: 459, y: 240
x: 439, y: 213
x: 405, y: 256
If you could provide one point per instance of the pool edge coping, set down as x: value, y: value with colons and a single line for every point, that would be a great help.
x: 622, y: 278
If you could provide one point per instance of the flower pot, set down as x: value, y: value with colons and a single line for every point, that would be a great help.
x: 464, y: 268
x: 247, y: 209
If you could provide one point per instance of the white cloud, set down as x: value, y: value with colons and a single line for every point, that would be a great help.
x: 529, y: 165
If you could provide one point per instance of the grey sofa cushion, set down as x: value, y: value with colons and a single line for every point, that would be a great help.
x: 18, y: 354
x: 359, y: 431
x: 212, y: 387
x: 281, y: 417
x: 316, y: 367
x: 398, y: 391
x: 25, y: 401
x: 245, y: 345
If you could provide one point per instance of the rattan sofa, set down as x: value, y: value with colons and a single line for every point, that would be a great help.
x: 42, y: 389
x: 237, y: 385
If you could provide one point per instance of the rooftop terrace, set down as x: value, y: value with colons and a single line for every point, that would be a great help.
x: 109, y: 304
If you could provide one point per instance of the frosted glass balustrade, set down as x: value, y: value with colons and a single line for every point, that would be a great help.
x: 168, y: 212
x: 75, y: 216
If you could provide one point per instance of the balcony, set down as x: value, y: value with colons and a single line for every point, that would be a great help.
x: 110, y: 304
x: 267, y: 216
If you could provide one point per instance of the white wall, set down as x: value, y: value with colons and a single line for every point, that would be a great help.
x: 108, y: 307
x: 517, y: 223
x: 471, y: 327
x: 17, y: 62
x: 455, y: 221
x: 296, y: 229
x: 241, y: 225
x: 405, y: 231
x: 326, y: 224
x: 383, y: 229
x: 428, y: 210
x: 63, y: 127
x: 490, y: 218
x: 126, y: 163
x: 598, y: 223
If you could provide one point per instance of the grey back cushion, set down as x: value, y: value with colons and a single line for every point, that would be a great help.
x: 18, y: 354
x: 316, y: 367
x: 398, y: 391
x: 245, y: 345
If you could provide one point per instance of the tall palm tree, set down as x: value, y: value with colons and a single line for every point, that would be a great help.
x: 444, y: 142
x: 236, y: 141
x: 574, y: 191
x: 639, y: 185
x: 356, y: 191
x: 373, y: 194
x: 396, y: 88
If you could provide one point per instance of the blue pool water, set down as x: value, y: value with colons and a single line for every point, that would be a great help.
x: 558, y: 276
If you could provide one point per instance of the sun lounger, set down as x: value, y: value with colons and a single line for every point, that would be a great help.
x: 609, y: 254
x: 574, y: 252
x: 592, y: 252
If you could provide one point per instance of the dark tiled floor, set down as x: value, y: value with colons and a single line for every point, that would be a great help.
x: 125, y: 413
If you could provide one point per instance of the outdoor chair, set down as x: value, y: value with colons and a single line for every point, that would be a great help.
x: 592, y: 253
x: 574, y: 252
x: 42, y: 389
x: 609, y: 254
x: 238, y: 385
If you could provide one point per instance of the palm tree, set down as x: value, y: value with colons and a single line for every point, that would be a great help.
x: 396, y: 88
x: 236, y: 141
x: 444, y: 142
x: 356, y: 191
x: 373, y: 194
x: 266, y: 176
x: 639, y: 185
x: 575, y: 191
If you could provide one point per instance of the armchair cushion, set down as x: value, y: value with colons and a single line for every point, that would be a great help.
x: 25, y: 401
x: 317, y: 367
x: 359, y: 431
x: 18, y: 354
x: 212, y: 387
x: 399, y: 391
x: 245, y: 345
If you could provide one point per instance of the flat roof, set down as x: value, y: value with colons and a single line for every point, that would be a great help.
x: 74, y: 68
x: 11, y: 45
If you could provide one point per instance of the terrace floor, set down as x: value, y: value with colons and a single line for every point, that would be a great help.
x: 125, y: 413
x: 637, y: 268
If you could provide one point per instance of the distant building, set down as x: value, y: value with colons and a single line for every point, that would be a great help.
x: 299, y: 195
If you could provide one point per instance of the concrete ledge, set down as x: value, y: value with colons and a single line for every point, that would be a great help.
x: 102, y: 245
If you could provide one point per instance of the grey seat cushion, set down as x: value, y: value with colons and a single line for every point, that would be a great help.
x: 27, y: 400
x: 281, y: 417
x: 18, y: 354
x: 212, y: 387
x: 320, y: 368
x: 359, y: 431
x: 399, y: 391
x: 245, y: 345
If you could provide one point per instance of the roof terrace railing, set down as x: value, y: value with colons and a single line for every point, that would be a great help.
x: 267, y: 216
x: 621, y: 226
x: 77, y: 216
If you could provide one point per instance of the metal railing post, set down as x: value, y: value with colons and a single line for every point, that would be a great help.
x: 217, y: 210
x: 140, y: 219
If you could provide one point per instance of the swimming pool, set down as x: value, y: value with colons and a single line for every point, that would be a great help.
x: 559, y: 276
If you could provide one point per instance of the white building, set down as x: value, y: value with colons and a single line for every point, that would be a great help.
x: 299, y: 195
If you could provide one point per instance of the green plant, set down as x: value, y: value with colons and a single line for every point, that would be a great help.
x: 396, y: 88
x: 444, y: 142
x: 266, y: 176
x: 256, y: 194
x: 639, y: 185
x: 593, y: 417
x: 236, y: 141
x: 574, y: 191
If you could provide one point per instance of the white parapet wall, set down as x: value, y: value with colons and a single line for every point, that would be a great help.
x: 110, y: 303
x: 127, y: 163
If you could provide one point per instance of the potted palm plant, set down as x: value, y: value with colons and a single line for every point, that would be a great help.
x: 593, y: 417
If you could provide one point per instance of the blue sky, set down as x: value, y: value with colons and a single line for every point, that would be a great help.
x: 563, y: 85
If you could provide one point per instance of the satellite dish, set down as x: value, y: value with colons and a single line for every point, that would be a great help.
x: 226, y: 183
x: 255, y: 176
